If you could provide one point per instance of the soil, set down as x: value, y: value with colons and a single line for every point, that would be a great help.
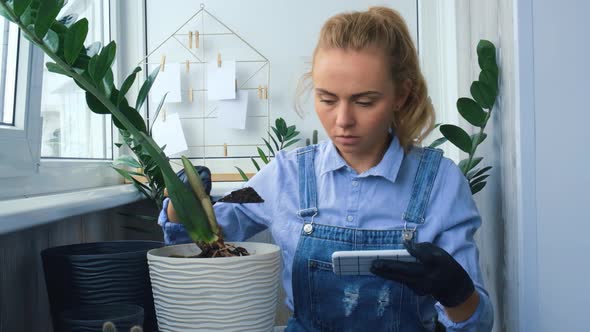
x: 244, y: 195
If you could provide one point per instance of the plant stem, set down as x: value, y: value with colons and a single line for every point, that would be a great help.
x: 473, y: 148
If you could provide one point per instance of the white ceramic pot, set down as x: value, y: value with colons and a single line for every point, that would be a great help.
x: 215, y: 294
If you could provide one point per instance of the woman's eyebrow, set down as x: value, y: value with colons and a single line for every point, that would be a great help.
x: 354, y: 96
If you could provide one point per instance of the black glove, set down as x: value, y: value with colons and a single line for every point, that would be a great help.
x: 205, y: 175
x: 436, y: 273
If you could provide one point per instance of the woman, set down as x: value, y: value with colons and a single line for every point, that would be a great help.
x: 369, y: 187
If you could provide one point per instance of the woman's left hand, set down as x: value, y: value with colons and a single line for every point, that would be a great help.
x: 436, y: 273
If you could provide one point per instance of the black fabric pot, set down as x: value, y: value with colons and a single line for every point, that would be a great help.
x: 91, y: 318
x: 100, y: 273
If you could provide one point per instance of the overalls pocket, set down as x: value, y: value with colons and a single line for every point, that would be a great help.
x: 352, y: 303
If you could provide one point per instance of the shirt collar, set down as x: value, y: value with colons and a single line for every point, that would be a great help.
x: 387, y: 168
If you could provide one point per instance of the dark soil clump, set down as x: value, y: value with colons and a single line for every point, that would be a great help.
x: 244, y: 195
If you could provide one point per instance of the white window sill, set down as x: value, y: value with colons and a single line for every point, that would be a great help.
x: 21, y: 213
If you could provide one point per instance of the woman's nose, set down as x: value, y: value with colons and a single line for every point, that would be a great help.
x: 345, y: 116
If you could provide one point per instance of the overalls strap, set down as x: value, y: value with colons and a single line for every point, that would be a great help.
x: 423, y: 182
x: 307, y: 182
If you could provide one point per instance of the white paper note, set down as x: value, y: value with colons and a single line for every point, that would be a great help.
x: 221, y: 81
x: 169, y: 132
x: 168, y: 81
x: 232, y: 113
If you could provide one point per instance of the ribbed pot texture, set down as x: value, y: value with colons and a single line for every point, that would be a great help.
x: 99, y: 273
x: 215, y: 294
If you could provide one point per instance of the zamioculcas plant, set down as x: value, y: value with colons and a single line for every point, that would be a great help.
x: 91, y: 70
x: 285, y: 137
x: 484, y: 92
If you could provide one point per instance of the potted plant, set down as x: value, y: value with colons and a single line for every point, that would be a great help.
x: 64, y: 42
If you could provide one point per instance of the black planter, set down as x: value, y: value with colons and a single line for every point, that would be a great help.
x: 92, y: 317
x: 100, y: 273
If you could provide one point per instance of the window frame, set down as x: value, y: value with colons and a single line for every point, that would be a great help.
x: 23, y: 173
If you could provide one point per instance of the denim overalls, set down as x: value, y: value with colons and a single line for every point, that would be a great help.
x: 324, y: 301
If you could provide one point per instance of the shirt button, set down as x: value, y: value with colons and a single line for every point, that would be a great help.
x: 355, y: 183
x: 350, y: 218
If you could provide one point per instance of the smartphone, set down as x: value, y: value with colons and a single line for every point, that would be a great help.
x: 358, y: 262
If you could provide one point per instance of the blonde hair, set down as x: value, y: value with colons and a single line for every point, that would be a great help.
x: 386, y: 30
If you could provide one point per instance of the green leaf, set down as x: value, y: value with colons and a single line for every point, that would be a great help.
x: 457, y: 136
x: 48, y: 11
x: 278, y: 134
x: 474, y: 162
x: 196, y: 184
x: 477, y: 139
x: 490, y: 79
x: 269, y: 147
x: 262, y: 156
x: 488, y: 64
x: 438, y: 142
x: 95, y: 105
x: 74, y: 40
x: 101, y: 63
x: 51, y: 39
x: 242, y: 174
x: 30, y: 15
x: 127, y: 160
x: 477, y: 187
x: 108, y: 83
x: 290, y: 131
x: 281, y: 126
x: 274, y: 141
x: 255, y: 164
x: 291, y: 135
x: 479, y: 179
x: 482, y: 171
x: 128, y: 83
x: 483, y: 94
x: 133, y: 116
x: 54, y: 68
x: 291, y: 143
x: 471, y: 111
x: 158, y: 110
x: 145, y: 88
x: 485, y: 48
x: 20, y: 6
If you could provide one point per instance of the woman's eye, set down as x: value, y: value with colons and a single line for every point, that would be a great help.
x: 364, y: 103
x: 327, y: 101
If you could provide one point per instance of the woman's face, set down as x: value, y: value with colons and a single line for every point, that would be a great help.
x: 354, y: 99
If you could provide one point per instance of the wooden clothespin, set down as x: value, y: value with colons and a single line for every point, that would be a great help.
x: 188, y: 66
x: 163, y: 63
x: 225, y: 149
x: 265, y: 92
x: 190, y: 93
x: 197, y: 39
x: 219, y: 60
x: 190, y: 39
x: 260, y: 92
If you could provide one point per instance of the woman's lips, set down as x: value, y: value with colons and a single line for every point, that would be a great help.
x: 347, y: 140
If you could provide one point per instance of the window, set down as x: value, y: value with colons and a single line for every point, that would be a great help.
x: 70, y: 129
x: 55, y: 144
x: 8, y: 58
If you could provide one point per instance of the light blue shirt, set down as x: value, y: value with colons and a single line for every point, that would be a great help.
x: 375, y: 199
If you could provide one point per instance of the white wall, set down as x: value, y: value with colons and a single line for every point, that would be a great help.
x: 561, y: 116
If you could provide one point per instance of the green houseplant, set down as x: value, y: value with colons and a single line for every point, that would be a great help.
x: 484, y: 92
